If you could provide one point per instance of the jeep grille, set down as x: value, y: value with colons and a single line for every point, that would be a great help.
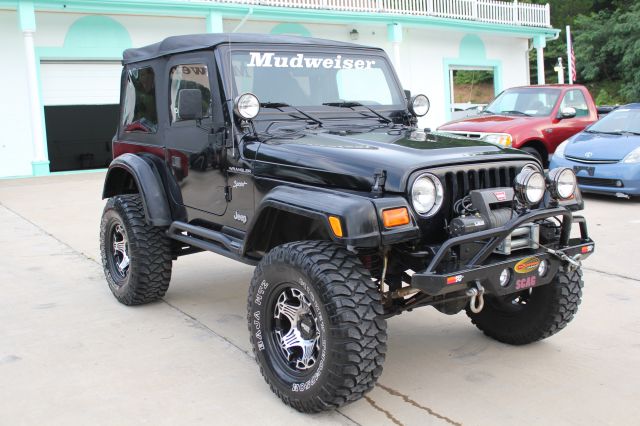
x: 458, y: 181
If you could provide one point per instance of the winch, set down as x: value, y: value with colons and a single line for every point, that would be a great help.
x: 491, y: 208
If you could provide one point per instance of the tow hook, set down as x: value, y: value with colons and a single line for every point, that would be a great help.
x: 477, y: 298
x: 573, y: 263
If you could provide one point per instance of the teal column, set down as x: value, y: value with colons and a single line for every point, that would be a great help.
x: 214, y: 22
x: 540, y: 42
x: 27, y: 20
x: 394, y: 35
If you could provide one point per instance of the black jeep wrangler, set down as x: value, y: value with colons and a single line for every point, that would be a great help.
x: 303, y: 157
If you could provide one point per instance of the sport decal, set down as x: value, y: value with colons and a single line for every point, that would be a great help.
x: 527, y: 265
x: 269, y: 59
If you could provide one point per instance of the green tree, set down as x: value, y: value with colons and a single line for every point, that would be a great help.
x: 606, y: 44
x: 607, y: 47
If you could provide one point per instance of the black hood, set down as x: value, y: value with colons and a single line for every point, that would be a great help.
x: 350, y: 160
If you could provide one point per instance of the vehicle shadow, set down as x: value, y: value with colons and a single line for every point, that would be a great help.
x: 432, y: 359
x: 610, y: 198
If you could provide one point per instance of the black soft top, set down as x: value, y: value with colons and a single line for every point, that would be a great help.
x: 187, y: 43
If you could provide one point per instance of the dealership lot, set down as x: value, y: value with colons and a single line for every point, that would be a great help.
x: 69, y: 353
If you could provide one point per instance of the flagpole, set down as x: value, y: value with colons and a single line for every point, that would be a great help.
x: 569, y: 50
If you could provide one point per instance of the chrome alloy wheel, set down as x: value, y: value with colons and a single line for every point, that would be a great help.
x: 296, y: 329
x: 120, y: 246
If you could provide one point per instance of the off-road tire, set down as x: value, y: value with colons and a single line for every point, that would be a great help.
x: 353, y: 333
x: 149, y: 249
x: 532, y: 151
x: 548, y: 310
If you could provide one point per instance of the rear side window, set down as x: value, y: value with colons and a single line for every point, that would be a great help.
x: 139, y: 113
x: 189, y: 76
x: 575, y: 99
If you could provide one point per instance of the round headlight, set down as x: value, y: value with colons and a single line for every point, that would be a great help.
x: 419, y: 105
x: 427, y: 195
x: 562, y: 183
x: 530, y: 186
x: 247, y: 106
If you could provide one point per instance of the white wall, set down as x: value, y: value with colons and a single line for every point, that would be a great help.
x: 16, y: 150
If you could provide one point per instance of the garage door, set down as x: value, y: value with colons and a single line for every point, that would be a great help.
x: 81, y: 112
x: 80, y: 83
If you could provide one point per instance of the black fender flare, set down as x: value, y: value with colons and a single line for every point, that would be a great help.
x: 360, y: 215
x: 149, y: 184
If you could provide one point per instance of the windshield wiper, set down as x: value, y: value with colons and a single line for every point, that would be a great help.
x: 604, y: 133
x: 632, y: 133
x: 516, y: 112
x: 279, y: 105
x: 351, y: 104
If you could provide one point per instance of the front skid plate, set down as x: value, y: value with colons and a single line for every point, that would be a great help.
x: 526, y: 276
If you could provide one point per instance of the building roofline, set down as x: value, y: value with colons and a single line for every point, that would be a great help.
x: 192, y: 42
x: 236, y: 10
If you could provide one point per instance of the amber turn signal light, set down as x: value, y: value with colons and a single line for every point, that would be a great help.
x: 395, y: 217
x: 336, y: 226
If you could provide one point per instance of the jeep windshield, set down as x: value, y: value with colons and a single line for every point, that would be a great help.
x: 525, y: 102
x: 316, y: 81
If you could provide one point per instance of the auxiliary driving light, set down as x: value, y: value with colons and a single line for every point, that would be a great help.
x: 562, y: 183
x: 419, y: 105
x: 530, y: 186
x: 543, y: 268
x: 505, y: 277
x: 247, y: 106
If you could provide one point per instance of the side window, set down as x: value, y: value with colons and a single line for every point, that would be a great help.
x: 139, y: 113
x: 575, y: 99
x: 189, y: 76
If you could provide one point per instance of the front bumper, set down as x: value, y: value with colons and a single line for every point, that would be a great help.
x: 601, y: 178
x: 486, y: 266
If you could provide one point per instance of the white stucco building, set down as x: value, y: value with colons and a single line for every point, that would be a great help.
x: 61, y: 59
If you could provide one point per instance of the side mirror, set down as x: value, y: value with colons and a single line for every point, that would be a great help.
x: 567, y: 112
x: 190, y: 104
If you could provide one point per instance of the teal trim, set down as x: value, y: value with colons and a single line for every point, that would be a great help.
x: 95, y: 31
x: 214, y: 22
x: 472, y: 54
x: 289, y: 28
x: 70, y: 172
x: 472, y: 48
x: 90, y: 38
x: 78, y: 172
x: 26, y: 15
x: 238, y: 10
x: 40, y: 168
x: 539, y: 42
x: 42, y: 117
x: 394, y: 33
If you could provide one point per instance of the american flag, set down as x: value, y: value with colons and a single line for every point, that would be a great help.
x: 574, y: 73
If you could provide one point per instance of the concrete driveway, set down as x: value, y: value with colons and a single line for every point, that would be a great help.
x: 70, y: 354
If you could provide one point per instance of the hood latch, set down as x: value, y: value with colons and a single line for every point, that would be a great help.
x: 379, y: 179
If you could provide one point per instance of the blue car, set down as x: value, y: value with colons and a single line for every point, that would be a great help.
x: 606, y: 155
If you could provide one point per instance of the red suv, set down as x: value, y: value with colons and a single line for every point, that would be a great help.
x: 535, y: 119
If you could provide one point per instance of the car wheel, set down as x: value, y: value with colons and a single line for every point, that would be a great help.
x: 532, y: 151
x: 136, y: 257
x: 531, y: 315
x: 316, y: 329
